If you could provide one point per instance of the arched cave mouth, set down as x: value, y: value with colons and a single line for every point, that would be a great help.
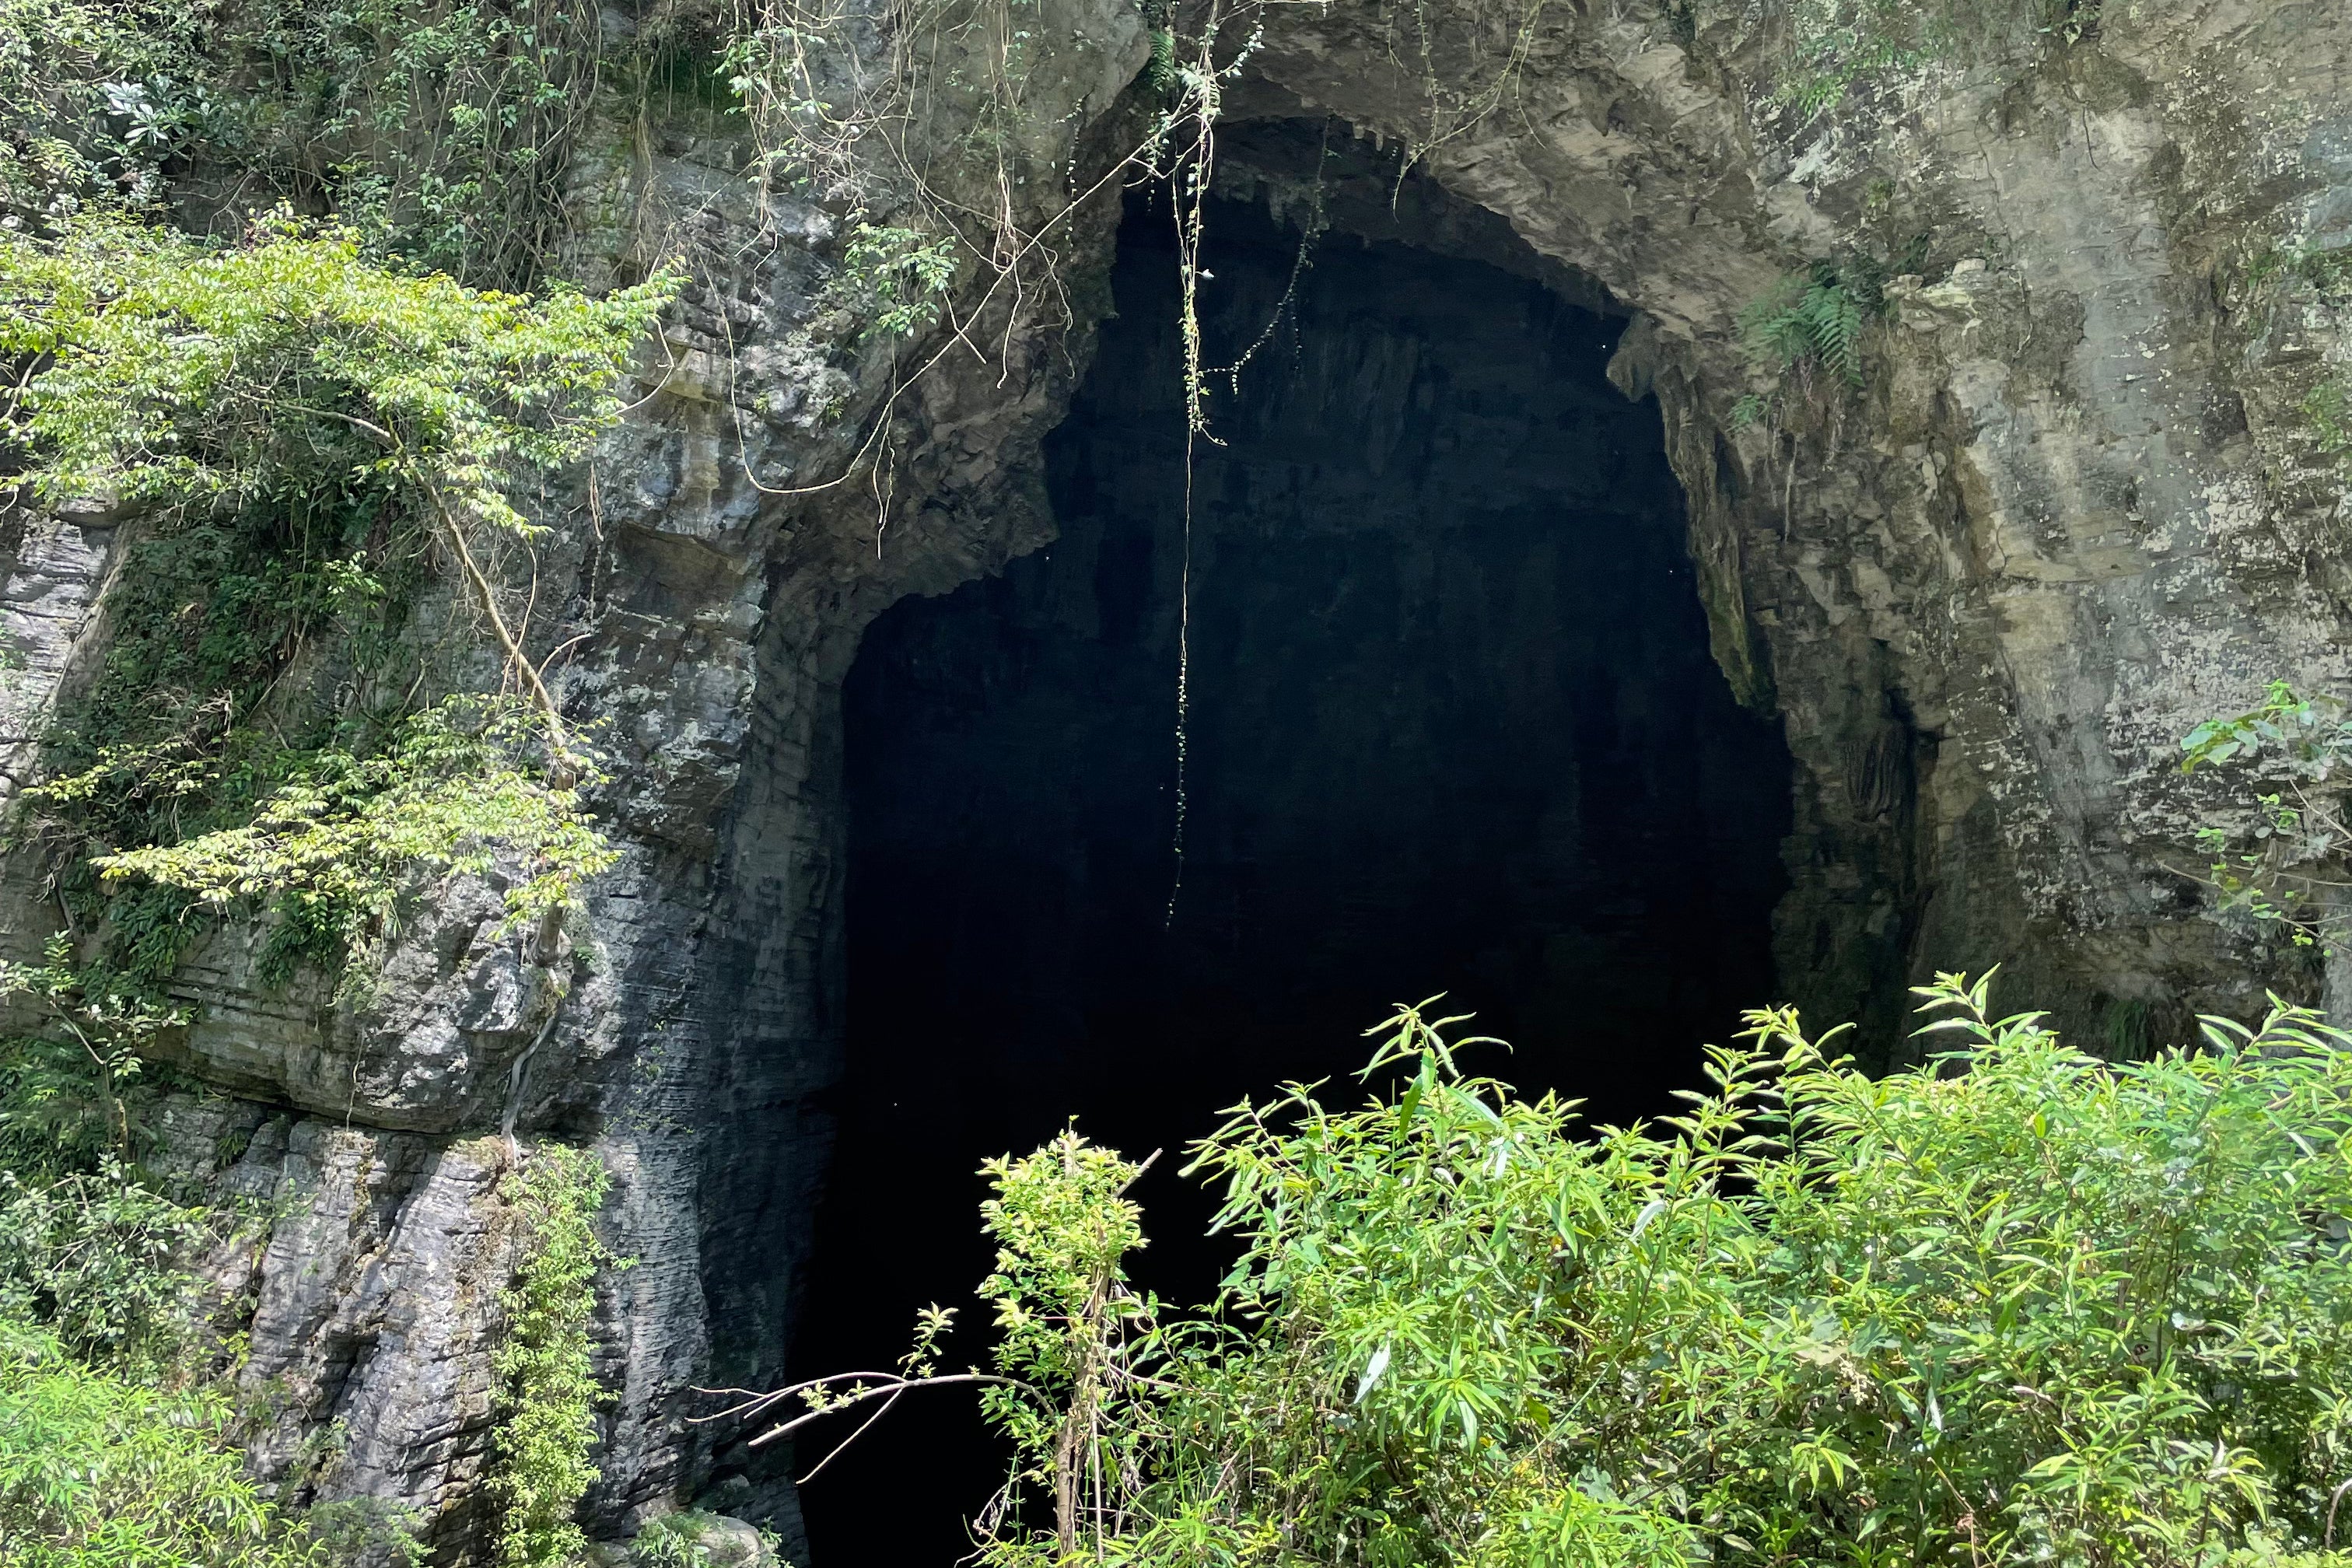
x: 1453, y: 727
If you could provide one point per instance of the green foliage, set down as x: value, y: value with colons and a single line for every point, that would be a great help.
x: 54, y: 1118
x: 174, y: 740
x: 1073, y: 1337
x: 2312, y: 275
x: 116, y: 1418
x: 118, y: 1431
x: 672, y: 1541
x: 1817, y: 318
x: 443, y: 125
x: 298, y: 427
x: 1161, y: 72
x: 546, y: 1410
x: 100, y: 1260
x: 2018, y: 1305
x: 292, y: 368
x: 896, y: 278
x: 101, y: 1472
x: 1836, y: 46
x: 306, y: 429
x: 2328, y: 408
x: 1838, y: 43
x: 94, y: 95
x: 97, y: 1293
x: 366, y: 1530
x: 336, y: 847
x: 435, y: 128
x: 2311, y: 735
x: 2325, y: 270
x: 2274, y: 869
x: 65, y: 1103
x: 89, y: 1247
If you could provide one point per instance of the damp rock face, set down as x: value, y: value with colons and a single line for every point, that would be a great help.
x: 2073, y: 507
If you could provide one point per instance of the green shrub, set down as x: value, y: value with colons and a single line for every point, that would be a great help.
x: 439, y: 127
x: 304, y: 428
x: 672, y: 1541
x: 336, y: 849
x: 365, y: 1531
x: 101, y: 1261
x: 2277, y: 867
x: 187, y: 372
x: 1835, y: 46
x: 94, y: 96
x: 2328, y: 409
x: 98, y: 1472
x: 895, y: 279
x: 2019, y: 1305
x: 67, y: 1095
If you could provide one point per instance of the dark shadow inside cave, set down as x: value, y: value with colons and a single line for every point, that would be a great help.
x: 1453, y: 727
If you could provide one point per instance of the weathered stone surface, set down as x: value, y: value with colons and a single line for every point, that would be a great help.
x: 2065, y: 523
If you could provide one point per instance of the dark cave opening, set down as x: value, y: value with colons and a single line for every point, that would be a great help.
x: 1453, y: 727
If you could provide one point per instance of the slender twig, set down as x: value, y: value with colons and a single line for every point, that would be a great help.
x: 487, y: 594
x: 875, y: 1384
x: 858, y: 1396
x: 836, y: 1451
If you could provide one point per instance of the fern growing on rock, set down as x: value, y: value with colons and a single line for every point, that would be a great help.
x: 1818, y: 318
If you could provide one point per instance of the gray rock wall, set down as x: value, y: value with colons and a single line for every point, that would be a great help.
x: 2075, y: 511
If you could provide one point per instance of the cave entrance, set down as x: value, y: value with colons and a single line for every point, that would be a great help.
x: 1454, y: 727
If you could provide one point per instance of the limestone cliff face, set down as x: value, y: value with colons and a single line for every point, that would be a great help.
x: 2076, y: 510
x: 2073, y: 511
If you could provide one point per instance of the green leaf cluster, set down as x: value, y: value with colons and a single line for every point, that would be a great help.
x: 100, y: 1261
x: 100, y: 1471
x: 2311, y: 735
x: 337, y: 847
x: 119, y: 1419
x: 2321, y: 276
x: 291, y: 367
x: 94, y: 96
x: 2017, y: 1305
x: 2273, y: 867
x: 177, y: 737
x: 2328, y: 408
x: 547, y: 1406
x: 2325, y: 270
x: 438, y: 128
x: 66, y: 1094
x: 303, y: 434
x: 1074, y: 1336
x: 1835, y: 46
x: 1818, y: 318
x: 1840, y: 43
x: 896, y: 278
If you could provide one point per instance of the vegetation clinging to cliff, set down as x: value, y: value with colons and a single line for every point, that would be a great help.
x: 301, y: 427
x: 547, y: 1412
x: 2277, y: 865
x: 1835, y: 46
x: 121, y: 1418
